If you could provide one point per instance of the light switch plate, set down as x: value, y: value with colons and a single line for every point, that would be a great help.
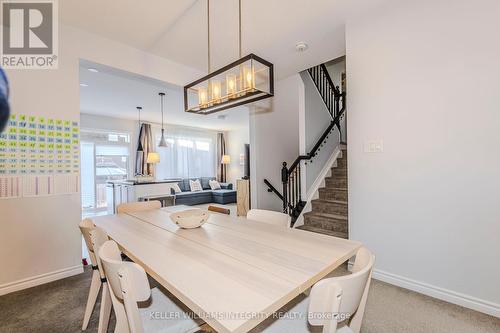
x: 373, y: 146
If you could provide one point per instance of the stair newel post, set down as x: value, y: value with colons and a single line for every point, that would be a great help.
x: 284, y: 180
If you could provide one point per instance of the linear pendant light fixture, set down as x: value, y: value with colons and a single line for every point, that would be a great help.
x: 162, y: 143
x: 244, y: 81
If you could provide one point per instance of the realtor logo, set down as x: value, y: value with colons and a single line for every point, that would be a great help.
x: 29, y: 34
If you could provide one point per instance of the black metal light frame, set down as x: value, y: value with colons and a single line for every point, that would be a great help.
x: 236, y: 101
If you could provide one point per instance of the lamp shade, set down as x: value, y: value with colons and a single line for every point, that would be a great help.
x: 163, y: 142
x: 153, y: 158
x: 226, y: 159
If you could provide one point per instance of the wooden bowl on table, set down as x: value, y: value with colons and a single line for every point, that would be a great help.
x: 190, y: 219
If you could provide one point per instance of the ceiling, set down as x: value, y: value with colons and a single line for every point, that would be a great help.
x: 114, y: 93
x: 177, y: 29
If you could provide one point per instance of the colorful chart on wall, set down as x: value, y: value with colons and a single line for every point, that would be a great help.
x: 38, y: 155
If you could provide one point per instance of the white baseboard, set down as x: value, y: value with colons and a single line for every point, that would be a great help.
x: 319, y: 182
x: 33, y: 281
x: 439, y: 293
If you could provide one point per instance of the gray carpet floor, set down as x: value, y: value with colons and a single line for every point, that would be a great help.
x: 59, y: 306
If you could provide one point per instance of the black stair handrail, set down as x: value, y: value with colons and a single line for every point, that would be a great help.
x: 291, y: 176
x: 273, y: 189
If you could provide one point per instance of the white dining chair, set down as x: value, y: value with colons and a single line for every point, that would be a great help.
x: 131, y: 207
x: 98, y: 237
x: 269, y: 216
x: 337, y: 304
x: 129, y: 285
x: 93, y: 238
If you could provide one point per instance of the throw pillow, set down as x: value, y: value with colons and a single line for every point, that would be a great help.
x: 195, y: 185
x: 214, y: 185
x: 176, y: 188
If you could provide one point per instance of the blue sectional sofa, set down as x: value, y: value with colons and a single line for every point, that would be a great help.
x: 225, y: 195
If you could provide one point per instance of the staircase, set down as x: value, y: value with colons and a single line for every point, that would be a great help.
x: 329, y: 214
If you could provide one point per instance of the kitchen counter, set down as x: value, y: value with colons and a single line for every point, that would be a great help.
x: 123, y: 191
x: 135, y: 182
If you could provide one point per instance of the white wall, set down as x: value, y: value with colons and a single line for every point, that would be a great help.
x: 235, y: 145
x: 274, y: 138
x: 39, y: 237
x: 423, y: 77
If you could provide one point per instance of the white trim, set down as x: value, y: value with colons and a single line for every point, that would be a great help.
x: 443, y: 294
x: 40, y: 279
x: 319, y: 182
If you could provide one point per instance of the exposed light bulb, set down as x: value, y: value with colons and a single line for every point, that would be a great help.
x: 231, y: 85
x: 216, y: 91
x: 248, y: 82
x: 202, y: 97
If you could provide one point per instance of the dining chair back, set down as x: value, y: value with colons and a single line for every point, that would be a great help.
x: 98, y: 237
x: 128, y: 282
x: 95, y: 285
x: 344, y: 295
x: 94, y: 237
x: 131, y: 207
x: 129, y: 285
x: 269, y: 216
x: 85, y: 226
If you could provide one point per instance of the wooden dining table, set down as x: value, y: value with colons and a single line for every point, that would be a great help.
x: 232, y: 272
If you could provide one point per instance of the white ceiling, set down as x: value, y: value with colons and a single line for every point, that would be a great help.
x: 115, y: 93
x: 177, y: 29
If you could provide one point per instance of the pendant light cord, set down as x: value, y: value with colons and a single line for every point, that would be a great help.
x: 239, y: 30
x: 208, y: 33
x: 161, y: 111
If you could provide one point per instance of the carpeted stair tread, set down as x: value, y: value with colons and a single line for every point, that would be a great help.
x: 333, y: 193
x: 340, y: 202
x: 322, y: 231
x: 333, y: 189
x: 330, y: 206
x: 329, y: 213
x: 326, y: 215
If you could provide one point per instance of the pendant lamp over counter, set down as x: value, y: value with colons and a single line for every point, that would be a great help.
x: 139, y: 146
x: 163, y: 142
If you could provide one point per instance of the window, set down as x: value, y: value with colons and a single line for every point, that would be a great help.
x: 190, y: 153
x: 104, y: 157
